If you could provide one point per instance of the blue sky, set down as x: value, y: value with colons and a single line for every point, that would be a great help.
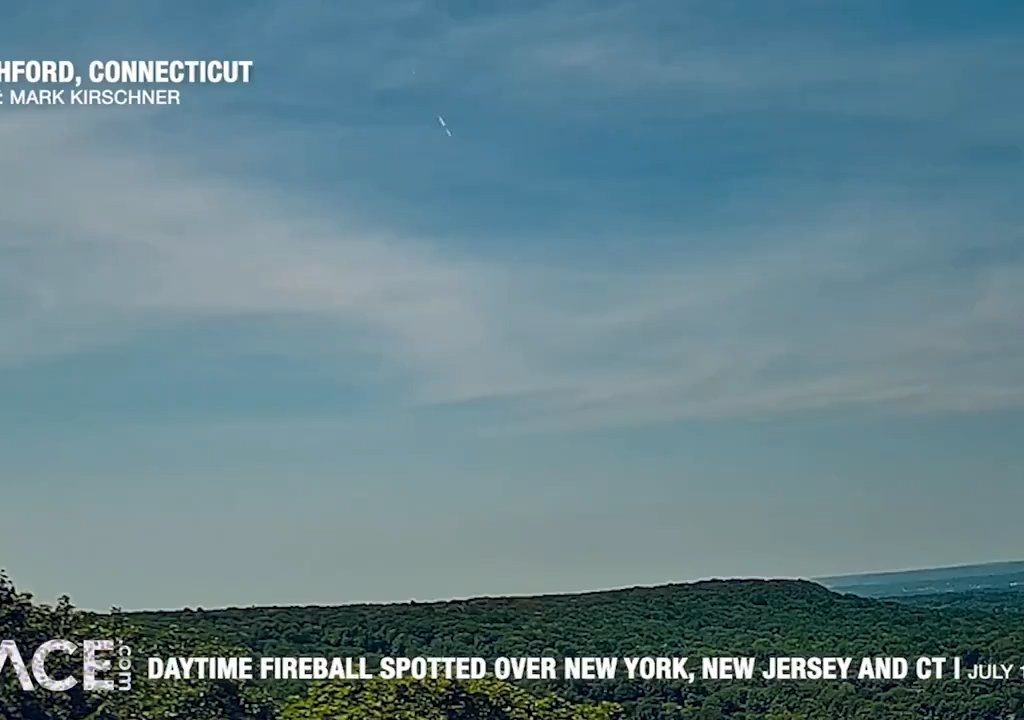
x: 694, y: 289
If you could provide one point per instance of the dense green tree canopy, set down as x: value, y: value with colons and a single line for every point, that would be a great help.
x: 758, y: 618
x: 435, y: 700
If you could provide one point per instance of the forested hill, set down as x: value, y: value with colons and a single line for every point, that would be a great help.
x: 729, y: 616
x: 743, y: 617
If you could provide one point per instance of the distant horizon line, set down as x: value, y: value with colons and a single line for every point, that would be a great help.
x: 818, y: 580
x: 878, y: 573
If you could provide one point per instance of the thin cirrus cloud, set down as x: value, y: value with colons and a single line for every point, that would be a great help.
x: 871, y: 306
x: 894, y: 285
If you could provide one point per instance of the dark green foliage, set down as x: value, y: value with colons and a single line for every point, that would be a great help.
x: 710, y: 618
x: 32, y: 624
x: 434, y: 700
x: 720, y: 617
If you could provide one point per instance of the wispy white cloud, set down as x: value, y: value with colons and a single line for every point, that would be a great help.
x: 105, y: 240
x: 864, y: 300
x: 899, y: 291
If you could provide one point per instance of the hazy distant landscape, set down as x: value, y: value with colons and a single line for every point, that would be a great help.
x: 995, y: 576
